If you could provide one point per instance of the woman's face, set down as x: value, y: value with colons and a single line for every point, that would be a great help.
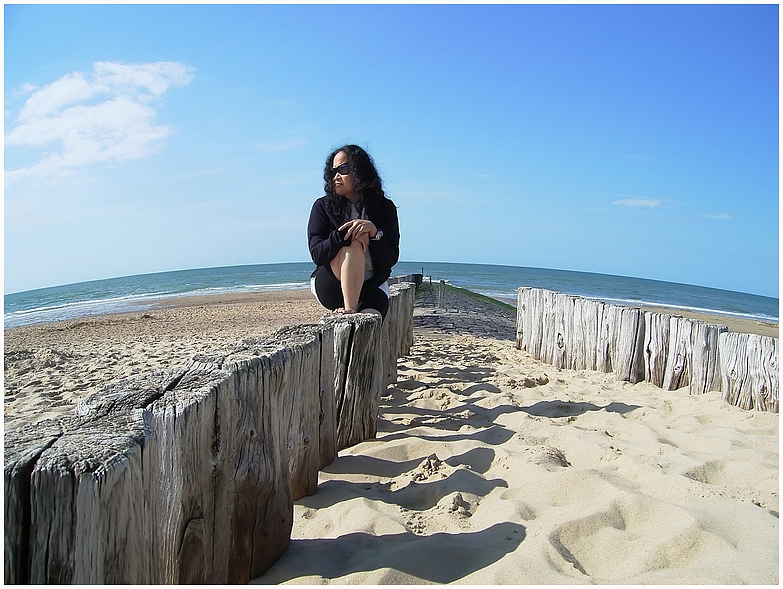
x: 343, y: 184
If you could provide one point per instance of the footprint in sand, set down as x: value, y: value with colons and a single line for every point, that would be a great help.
x: 429, y: 466
x: 414, y: 521
x: 637, y: 535
x: 550, y: 458
x: 410, y: 384
x: 459, y: 506
x: 723, y: 474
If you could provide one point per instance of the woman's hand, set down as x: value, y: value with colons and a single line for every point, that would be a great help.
x: 364, y: 239
x: 361, y: 230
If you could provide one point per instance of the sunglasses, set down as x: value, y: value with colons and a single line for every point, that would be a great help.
x: 342, y: 169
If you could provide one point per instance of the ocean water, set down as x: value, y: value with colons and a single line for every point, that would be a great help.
x: 133, y: 293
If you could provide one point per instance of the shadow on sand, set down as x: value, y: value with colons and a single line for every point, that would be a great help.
x: 558, y: 408
x: 437, y: 558
x: 478, y: 459
x: 415, y: 496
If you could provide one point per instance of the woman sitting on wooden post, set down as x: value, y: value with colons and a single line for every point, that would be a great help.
x: 354, y: 236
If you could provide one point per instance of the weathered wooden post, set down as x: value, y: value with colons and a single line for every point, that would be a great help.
x: 605, y: 339
x: 678, y: 361
x: 546, y: 305
x: 559, y: 351
x: 442, y: 294
x: 522, y: 327
x: 23, y: 448
x: 358, y: 376
x: 749, y: 370
x: 705, y: 363
x: 397, y: 328
x: 405, y: 321
x: 628, y: 329
x: 656, y: 347
x: 587, y: 316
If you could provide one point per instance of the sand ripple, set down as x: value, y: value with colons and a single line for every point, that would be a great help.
x: 492, y: 468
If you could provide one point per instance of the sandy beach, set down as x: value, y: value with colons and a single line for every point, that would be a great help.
x: 50, y: 367
x: 489, y: 467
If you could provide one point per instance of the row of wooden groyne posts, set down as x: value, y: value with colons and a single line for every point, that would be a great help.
x: 189, y: 475
x: 666, y: 350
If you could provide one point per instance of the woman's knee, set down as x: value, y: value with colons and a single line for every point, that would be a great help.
x: 355, y: 247
x: 354, y: 250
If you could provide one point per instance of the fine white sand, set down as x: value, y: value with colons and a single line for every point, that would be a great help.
x: 492, y: 468
x: 50, y: 367
x: 489, y: 467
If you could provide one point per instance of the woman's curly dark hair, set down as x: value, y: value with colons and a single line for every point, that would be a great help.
x: 369, y: 189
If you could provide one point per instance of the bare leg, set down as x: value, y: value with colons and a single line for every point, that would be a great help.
x: 348, y: 268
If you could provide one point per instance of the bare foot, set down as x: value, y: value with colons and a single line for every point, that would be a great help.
x: 343, y: 311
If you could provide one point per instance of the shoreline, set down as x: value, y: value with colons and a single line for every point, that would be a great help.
x: 50, y: 366
x: 734, y: 324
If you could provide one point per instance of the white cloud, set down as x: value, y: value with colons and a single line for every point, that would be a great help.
x: 25, y: 88
x: 106, y: 117
x: 638, y: 202
x: 69, y: 89
x: 155, y: 77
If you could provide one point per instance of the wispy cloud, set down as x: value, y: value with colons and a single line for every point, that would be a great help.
x: 649, y: 203
x: 107, y: 116
x: 25, y: 88
x: 718, y: 216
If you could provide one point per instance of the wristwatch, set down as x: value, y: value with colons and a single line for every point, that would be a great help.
x: 378, y: 235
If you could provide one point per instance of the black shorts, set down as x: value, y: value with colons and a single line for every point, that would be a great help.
x: 330, y: 295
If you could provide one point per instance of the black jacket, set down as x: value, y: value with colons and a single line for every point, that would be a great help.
x: 325, y: 240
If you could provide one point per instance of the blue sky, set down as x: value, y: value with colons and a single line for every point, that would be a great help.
x: 632, y: 140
